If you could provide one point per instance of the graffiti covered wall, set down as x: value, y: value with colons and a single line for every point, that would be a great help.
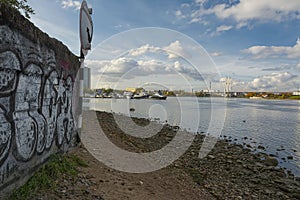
x: 38, y: 98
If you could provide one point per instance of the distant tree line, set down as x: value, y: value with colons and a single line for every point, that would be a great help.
x: 270, y: 95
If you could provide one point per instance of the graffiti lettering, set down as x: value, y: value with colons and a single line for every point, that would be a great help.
x: 42, y: 106
x: 36, y: 90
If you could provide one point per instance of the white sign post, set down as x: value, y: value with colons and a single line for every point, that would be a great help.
x: 85, y: 29
x: 86, y: 35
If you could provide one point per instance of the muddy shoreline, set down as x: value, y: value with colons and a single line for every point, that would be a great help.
x: 229, y: 171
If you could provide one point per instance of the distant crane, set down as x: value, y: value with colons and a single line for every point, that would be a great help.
x: 228, y: 87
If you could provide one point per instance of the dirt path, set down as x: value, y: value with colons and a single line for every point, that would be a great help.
x: 162, y: 184
x: 167, y: 183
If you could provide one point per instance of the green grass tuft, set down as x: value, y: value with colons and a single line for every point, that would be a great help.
x: 57, y: 166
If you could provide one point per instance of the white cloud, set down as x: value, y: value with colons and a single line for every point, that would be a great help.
x: 275, y: 80
x: 274, y: 51
x: 115, y: 67
x: 266, y: 10
x: 223, y: 28
x: 173, y: 50
x: 128, y: 68
x: 191, y: 72
x: 236, y: 85
x: 176, y: 50
x: 71, y: 4
x: 194, y: 20
x: 241, y: 25
x: 242, y: 12
x: 152, y: 66
x: 120, y: 65
x: 216, y: 54
x: 179, y: 14
x: 201, y: 2
x: 144, y: 49
x: 185, y: 5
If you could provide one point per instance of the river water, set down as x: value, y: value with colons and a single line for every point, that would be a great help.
x: 273, y: 124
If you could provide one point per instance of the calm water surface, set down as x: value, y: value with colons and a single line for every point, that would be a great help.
x: 274, y: 124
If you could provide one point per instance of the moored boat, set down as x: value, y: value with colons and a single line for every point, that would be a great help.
x: 142, y: 95
x: 158, y: 95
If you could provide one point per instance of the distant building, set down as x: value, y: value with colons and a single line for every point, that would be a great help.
x: 86, y: 78
x: 296, y: 93
x: 133, y: 90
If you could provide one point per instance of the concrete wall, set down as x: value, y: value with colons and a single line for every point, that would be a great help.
x: 39, y: 105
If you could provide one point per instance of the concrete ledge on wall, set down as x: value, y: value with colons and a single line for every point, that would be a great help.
x: 39, y: 94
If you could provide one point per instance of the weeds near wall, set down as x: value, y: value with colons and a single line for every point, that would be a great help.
x: 45, y: 178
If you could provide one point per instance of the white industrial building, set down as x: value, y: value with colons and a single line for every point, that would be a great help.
x: 297, y: 93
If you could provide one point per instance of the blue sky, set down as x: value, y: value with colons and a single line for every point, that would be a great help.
x: 255, y: 42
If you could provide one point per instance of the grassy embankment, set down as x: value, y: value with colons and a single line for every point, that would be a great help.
x: 295, y: 97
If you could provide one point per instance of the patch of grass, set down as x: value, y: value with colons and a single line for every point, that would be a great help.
x: 78, y: 161
x: 45, y: 178
x: 295, y: 97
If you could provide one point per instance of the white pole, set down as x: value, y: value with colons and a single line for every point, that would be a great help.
x: 81, y: 91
